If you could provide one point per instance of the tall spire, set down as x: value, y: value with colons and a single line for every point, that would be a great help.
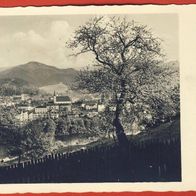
x: 54, y: 97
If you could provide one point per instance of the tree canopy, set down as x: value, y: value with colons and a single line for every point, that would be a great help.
x: 33, y: 140
x: 128, y: 64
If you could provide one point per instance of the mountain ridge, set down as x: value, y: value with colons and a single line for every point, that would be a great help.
x: 39, y: 74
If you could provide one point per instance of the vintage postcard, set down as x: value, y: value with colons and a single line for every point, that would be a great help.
x: 97, y: 98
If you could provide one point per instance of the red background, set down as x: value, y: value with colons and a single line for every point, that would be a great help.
x: 188, y: 193
x: 12, y: 3
x: 15, y: 3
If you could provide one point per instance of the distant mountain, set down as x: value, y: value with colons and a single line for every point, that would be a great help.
x: 39, y: 74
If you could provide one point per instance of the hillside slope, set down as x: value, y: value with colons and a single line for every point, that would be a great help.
x: 39, y: 74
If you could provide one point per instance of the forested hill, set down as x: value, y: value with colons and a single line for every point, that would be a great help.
x: 39, y: 74
x: 29, y: 77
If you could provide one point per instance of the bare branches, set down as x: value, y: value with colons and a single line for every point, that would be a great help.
x: 116, y: 42
x: 128, y: 57
x: 124, y: 50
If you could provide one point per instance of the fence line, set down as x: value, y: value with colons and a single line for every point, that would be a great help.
x: 154, y: 160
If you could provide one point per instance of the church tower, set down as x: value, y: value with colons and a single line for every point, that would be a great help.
x: 54, y: 97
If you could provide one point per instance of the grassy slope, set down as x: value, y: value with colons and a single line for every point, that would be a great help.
x: 163, y: 132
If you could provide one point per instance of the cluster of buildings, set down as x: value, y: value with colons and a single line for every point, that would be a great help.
x: 29, y: 108
x: 6, y: 101
x: 54, y: 108
x: 58, y: 106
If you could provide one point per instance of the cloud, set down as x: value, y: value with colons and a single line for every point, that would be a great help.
x: 47, y: 47
x: 60, y: 30
x: 21, y: 47
x: 19, y: 36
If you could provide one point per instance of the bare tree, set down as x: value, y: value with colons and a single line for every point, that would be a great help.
x: 127, y: 63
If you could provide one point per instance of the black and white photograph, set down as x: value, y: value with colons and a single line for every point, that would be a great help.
x: 88, y: 98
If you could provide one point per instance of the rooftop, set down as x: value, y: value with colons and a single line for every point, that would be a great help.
x: 62, y: 98
x: 41, y: 106
x: 50, y: 103
x: 91, y: 102
x: 23, y: 105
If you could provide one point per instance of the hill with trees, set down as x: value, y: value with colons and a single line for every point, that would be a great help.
x: 39, y: 74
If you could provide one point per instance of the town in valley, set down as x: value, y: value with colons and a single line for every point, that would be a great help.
x: 89, y: 98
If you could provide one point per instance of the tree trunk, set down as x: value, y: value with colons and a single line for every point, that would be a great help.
x: 124, y: 155
x: 19, y: 159
x: 120, y: 133
x: 122, y: 138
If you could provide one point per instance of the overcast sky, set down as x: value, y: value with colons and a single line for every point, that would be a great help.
x: 42, y: 38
